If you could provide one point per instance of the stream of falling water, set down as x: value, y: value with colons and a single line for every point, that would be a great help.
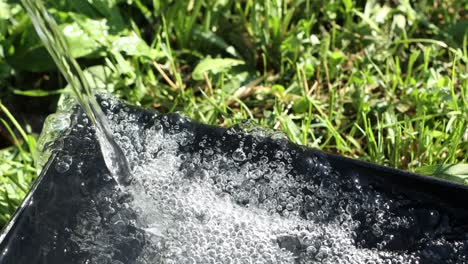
x: 57, y: 47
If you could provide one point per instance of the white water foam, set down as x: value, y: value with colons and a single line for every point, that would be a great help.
x: 215, y: 207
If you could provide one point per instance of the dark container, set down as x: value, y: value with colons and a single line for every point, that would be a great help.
x: 43, y: 230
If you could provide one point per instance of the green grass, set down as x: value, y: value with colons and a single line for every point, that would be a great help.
x: 386, y: 83
x: 17, y: 167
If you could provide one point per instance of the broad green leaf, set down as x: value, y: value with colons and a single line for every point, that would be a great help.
x: 213, y: 39
x: 85, y: 36
x: 217, y: 65
x: 26, y: 52
x: 4, y: 10
x: 135, y: 46
x: 100, y: 77
x: 237, y: 78
x: 454, y: 172
x: 100, y: 9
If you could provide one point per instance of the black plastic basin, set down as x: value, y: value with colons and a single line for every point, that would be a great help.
x: 402, y: 211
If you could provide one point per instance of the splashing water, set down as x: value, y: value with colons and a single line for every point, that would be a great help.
x: 231, y: 199
x: 204, y: 195
x: 57, y: 47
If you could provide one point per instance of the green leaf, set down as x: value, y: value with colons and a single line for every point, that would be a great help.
x: 212, y: 38
x: 135, y: 46
x: 348, y: 4
x: 100, y: 9
x: 458, y: 31
x: 85, y: 35
x: 291, y: 129
x: 400, y: 21
x: 100, y: 77
x: 337, y: 56
x: 5, y: 10
x: 217, y: 65
x: 453, y: 172
x: 26, y: 52
x: 38, y: 92
x: 278, y: 88
x: 301, y: 105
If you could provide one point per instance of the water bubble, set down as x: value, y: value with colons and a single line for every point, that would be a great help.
x: 62, y: 167
x: 201, y: 174
x: 376, y: 230
x: 208, y: 152
x: 106, y: 177
x: 63, y: 164
x: 239, y: 155
x: 105, y: 104
x: 213, y: 206
x: 279, y: 154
